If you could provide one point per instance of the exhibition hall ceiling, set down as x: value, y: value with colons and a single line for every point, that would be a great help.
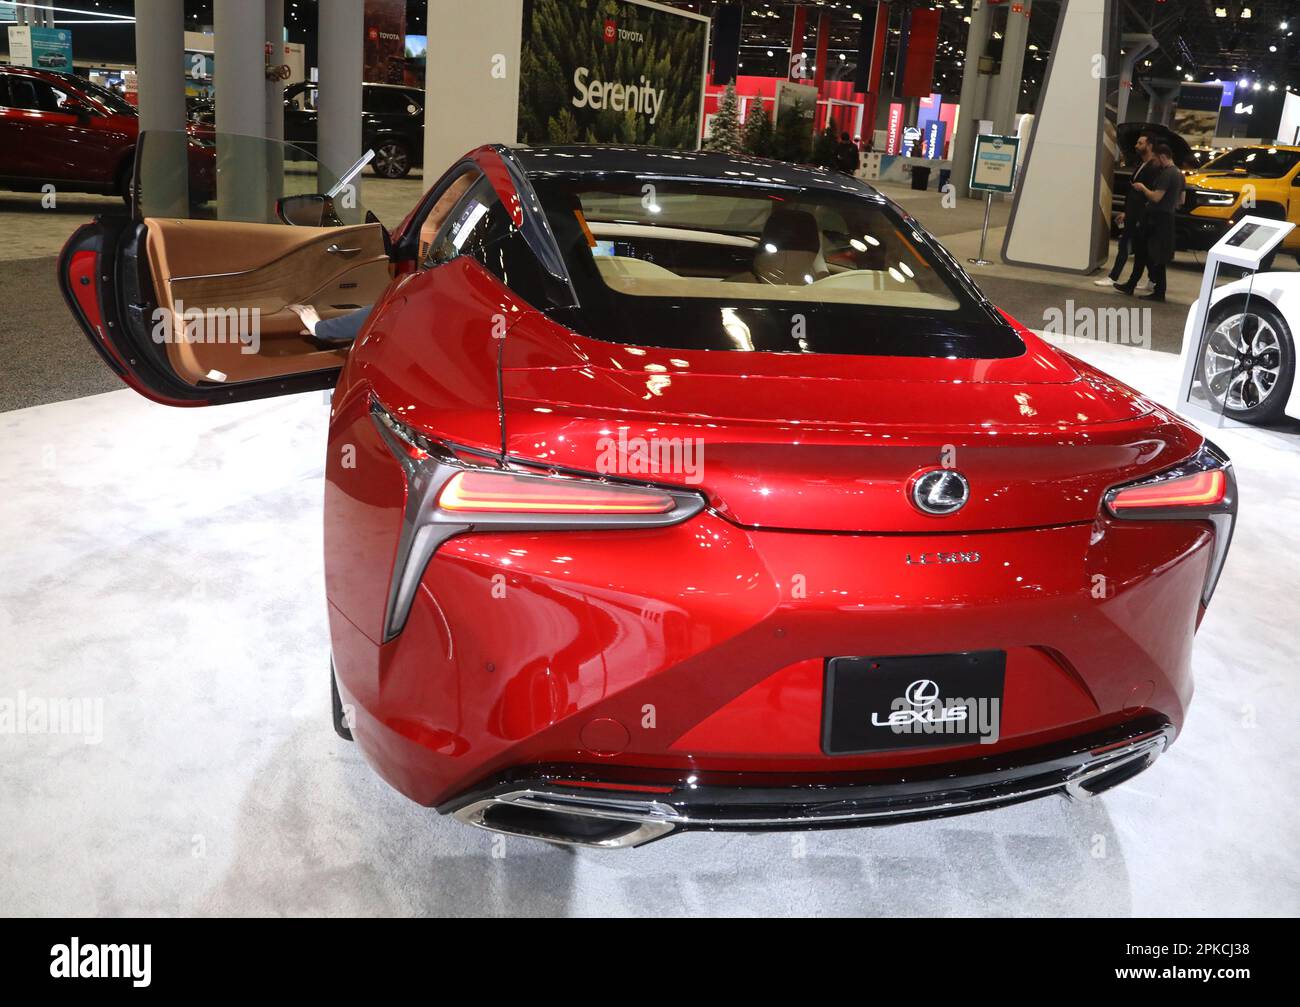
x: 1200, y: 39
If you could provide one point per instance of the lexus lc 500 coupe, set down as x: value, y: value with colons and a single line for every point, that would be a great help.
x: 673, y: 491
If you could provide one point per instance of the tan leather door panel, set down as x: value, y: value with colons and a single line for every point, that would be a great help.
x: 245, y: 274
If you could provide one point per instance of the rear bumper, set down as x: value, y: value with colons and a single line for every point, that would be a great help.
x: 576, y: 806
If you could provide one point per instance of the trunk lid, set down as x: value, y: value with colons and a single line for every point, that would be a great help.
x: 832, y: 442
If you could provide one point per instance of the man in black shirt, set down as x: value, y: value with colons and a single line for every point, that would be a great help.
x: 1134, y: 207
x: 846, y: 155
x: 1156, y: 239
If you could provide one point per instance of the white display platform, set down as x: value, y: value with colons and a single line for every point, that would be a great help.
x: 168, y: 563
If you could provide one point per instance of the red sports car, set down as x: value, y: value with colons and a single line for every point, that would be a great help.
x: 62, y: 130
x: 672, y: 491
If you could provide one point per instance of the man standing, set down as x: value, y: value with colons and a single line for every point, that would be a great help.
x: 1134, y: 206
x: 1156, y: 242
x: 846, y: 155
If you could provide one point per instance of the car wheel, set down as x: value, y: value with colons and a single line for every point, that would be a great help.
x: 340, y: 719
x: 392, y: 159
x: 1248, y: 364
x: 126, y: 183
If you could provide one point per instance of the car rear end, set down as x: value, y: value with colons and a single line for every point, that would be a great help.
x: 699, y: 589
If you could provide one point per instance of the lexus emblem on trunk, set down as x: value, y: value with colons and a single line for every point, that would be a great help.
x: 940, y: 491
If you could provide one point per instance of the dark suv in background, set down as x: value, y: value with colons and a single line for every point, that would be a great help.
x: 392, y: 124
x: 62, y: 130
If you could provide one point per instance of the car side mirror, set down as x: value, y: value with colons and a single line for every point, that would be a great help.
x: 309, y: 210
x: 80, y: 110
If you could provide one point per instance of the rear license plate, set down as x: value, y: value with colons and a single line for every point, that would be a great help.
x: 879, y: 704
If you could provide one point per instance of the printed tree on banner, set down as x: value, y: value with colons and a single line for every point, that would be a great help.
x: 758, y: 130
x: 725, y: 133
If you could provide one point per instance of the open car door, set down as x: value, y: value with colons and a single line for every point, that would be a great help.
x: 193, y: 309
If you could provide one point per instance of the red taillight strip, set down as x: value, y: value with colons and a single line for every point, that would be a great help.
x: 508, y: 493
x: 1202, y: 489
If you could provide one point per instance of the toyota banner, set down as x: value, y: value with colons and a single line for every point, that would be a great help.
x: 611, y: 71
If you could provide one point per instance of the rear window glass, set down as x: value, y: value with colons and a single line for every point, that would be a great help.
x: 708, y: 266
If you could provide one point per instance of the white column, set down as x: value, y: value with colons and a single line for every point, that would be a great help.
x: 239, y: 76
x: 471, y: 78
x: 972, y: 96
x: 339, y: 55
x: 1004, y: 98
x: 159, y: 46
x: 273, y: 128
x: 273, y: 108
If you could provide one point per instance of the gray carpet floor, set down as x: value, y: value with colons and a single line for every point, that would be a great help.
x: 44, y: 357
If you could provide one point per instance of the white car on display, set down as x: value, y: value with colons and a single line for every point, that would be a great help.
x: 1248, y: 361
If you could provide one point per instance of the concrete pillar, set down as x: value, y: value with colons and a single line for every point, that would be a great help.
x: 36, y: 14
x: 239, y: 75
x: 159, y: 45
x: 972, y: 96
x: 1135, y: 47
x: 1004, y: 96
x: 273, y: 124
x: 340, y: 58
x: 471, y: 78
x: 1163, y: 99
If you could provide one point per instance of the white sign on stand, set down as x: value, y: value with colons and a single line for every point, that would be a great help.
x: 1245, y: 246
x: 992, y: 169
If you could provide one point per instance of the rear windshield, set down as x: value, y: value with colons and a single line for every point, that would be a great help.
x: 690, y: 265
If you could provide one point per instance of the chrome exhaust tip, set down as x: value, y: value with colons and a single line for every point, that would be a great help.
x: 1110, y: 769
x: 604, y: 824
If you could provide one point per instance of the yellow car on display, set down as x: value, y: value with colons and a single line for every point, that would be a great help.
x: 1259, y: 180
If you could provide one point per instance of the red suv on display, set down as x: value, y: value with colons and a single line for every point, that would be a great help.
x: 59, y: 129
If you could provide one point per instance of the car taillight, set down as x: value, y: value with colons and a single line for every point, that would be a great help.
x: 448, y: 494
x: 1202, y: 488
x: 497, y: 492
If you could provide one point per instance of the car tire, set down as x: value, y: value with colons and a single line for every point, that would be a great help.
x: 392, y: 159
x: 336, y: 702
x: 1256, y: 393
x: 126, y: 182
